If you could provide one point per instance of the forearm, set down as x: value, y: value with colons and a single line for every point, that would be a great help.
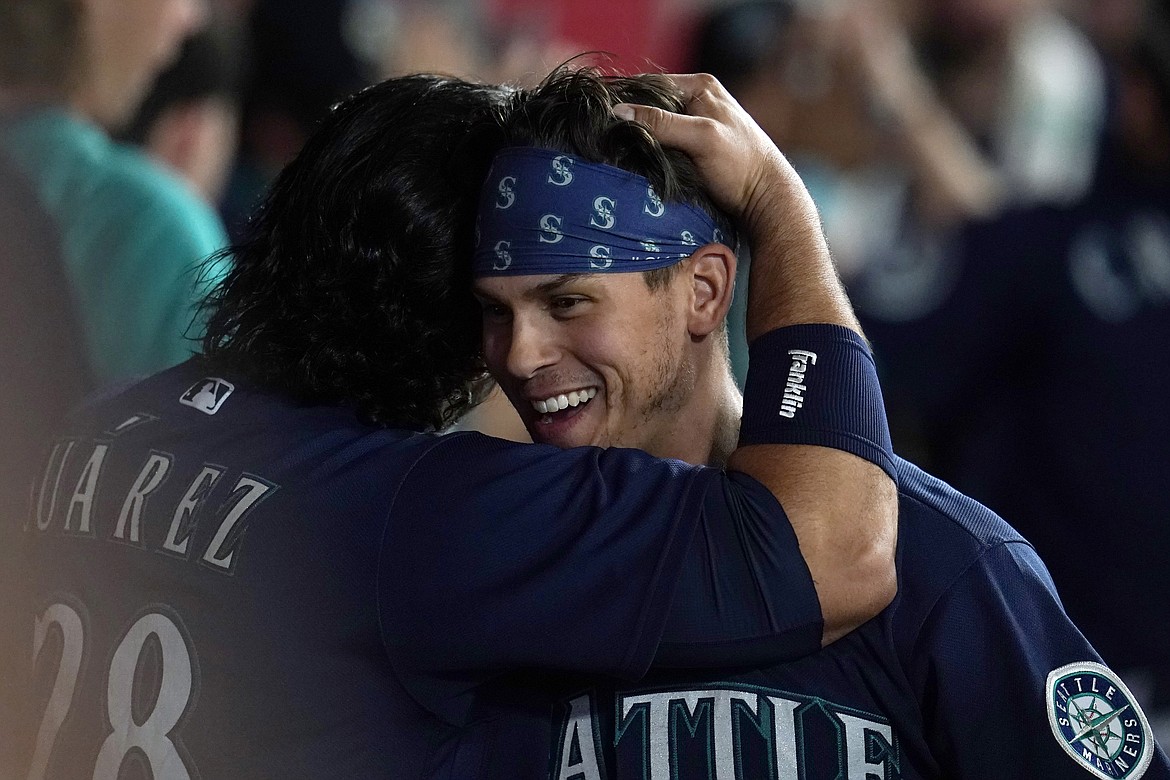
x: 957, y: 181
x: 842, y: 507
x: 793, y: 279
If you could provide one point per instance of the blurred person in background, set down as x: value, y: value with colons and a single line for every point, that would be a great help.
x: 99, y: 246
x: 299, y: 63
x: 190, y: 121
x: 1039, y: 385
x: 131, y: 232
x: 899, y: 144
x: 397, y: 37
x: 989, y: 104
x: 1021, y: 353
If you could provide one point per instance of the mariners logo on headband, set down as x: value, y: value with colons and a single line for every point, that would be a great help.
x: 547, y: 212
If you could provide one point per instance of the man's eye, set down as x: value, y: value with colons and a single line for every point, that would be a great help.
x: 565, y: 303
x: 493, y: 311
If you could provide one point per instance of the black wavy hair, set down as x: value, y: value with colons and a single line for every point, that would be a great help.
x: 353, y: 285
x: 572, y: 111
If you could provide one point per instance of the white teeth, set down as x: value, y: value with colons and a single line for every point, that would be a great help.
x: 558, y: 402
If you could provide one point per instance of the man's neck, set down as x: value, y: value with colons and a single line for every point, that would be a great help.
x: 728, y: 409
x: 707, y: 428
x: 725, y: 434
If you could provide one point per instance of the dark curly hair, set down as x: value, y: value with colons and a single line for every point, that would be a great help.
x: 353, y: 286
x: 571, y: 111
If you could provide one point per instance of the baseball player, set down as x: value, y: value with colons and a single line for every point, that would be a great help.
x: 260, y: 564
x: 973, y: 671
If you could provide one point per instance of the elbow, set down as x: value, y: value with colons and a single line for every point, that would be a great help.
x: 860, y: 578
x: 859, y: 597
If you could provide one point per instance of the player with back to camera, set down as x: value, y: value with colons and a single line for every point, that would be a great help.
x: 614, y: 254
x: 260, y: 563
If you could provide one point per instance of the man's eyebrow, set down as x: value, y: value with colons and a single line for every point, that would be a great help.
x: 536, y: 291
x: 552, y: 285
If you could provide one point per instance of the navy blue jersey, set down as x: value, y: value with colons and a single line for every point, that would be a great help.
x: 221, y: 583
x: 974, y: 671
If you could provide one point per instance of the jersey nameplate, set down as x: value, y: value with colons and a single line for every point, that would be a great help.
x: 723, y: 733
x: 76, y: 476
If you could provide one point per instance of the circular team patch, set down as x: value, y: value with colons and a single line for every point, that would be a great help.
x: 1098, y: 721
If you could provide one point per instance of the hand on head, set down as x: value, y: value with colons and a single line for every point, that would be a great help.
x: 748, y: 177
x: 744, y: 172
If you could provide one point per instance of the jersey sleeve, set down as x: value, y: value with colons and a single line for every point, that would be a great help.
x: 1012, y: 689
x: 581, y: 561
x: 745, y: 596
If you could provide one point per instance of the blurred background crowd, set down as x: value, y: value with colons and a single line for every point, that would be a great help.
x: 993, y: 177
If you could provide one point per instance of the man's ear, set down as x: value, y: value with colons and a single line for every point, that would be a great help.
x: 711, y: 274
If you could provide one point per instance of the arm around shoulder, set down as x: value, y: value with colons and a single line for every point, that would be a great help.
x: 844, y: 512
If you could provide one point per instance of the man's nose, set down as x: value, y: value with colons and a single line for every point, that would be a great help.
x: 531, y: 348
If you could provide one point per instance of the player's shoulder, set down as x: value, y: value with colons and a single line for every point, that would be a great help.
x: 193, y: 386
x: 952, y: 550
x: 944, y: 535
x: 77, y: 164
x: 200, y: 405
x: 105, y: 182
x: 482, y: 460
x: 926, y: 499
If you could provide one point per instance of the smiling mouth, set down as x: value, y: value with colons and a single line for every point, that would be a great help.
x: 564, y: 401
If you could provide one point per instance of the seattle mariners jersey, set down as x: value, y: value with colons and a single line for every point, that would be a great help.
x: 974, y: 671
x: 224, y: 584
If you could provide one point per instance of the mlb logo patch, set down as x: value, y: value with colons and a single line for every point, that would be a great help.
x: 208, y: 394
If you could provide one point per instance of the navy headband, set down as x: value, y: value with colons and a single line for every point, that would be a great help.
x: 547, y: 212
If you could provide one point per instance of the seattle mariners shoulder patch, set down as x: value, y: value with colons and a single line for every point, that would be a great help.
x: 1098, y: 721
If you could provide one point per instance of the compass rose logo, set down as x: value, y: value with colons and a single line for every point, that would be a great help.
x: 562, y: 174
x: 1098, y: 722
